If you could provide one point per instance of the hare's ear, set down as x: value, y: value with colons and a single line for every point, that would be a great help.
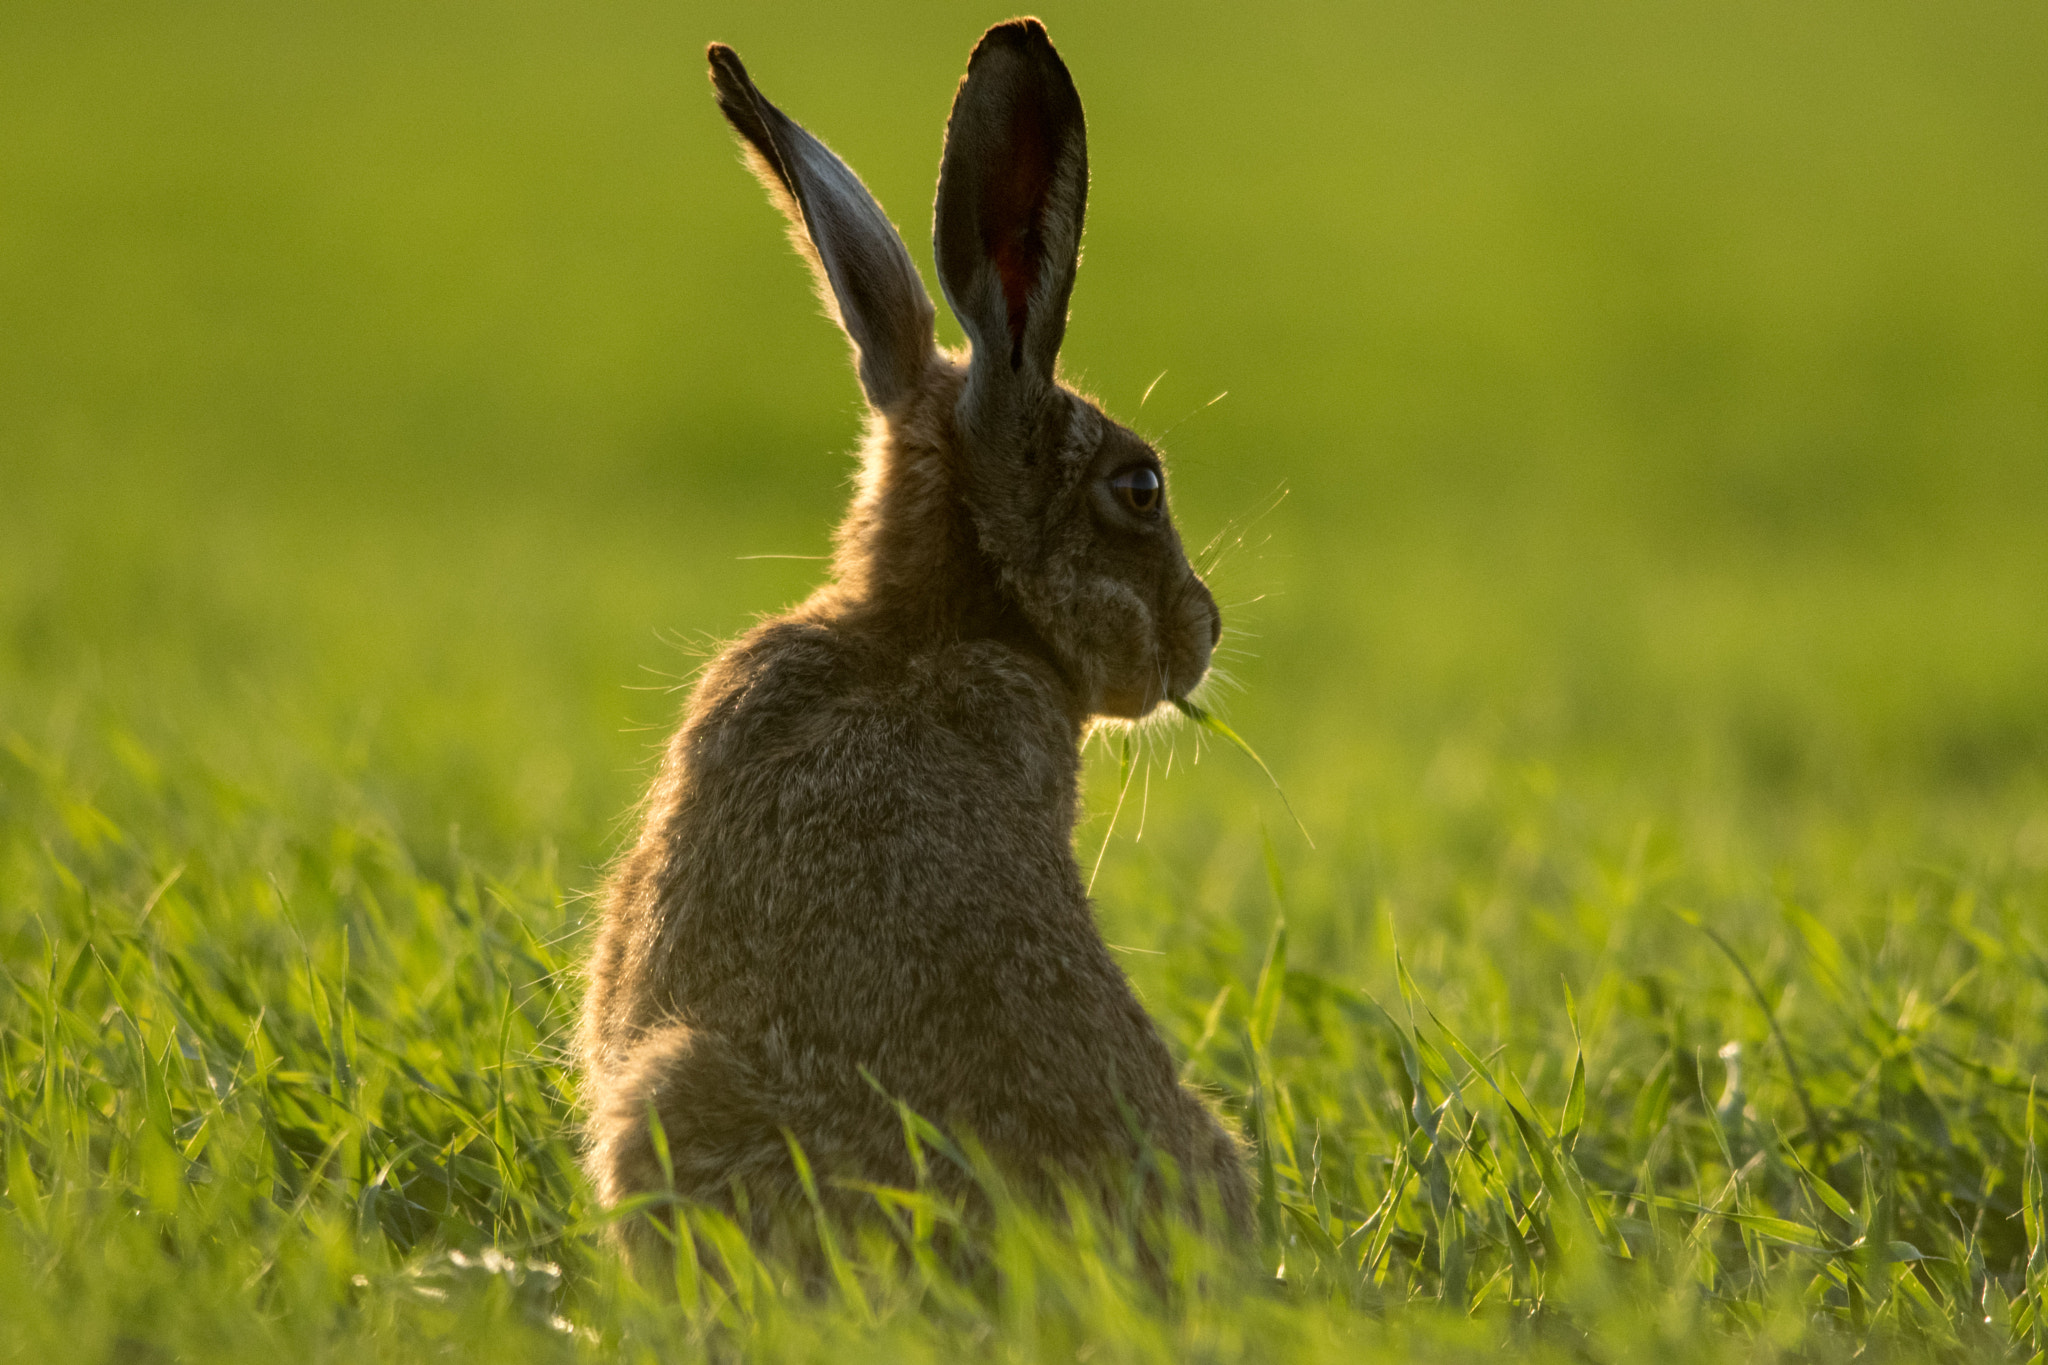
x: 1012, y: 190
x: 865, y: 275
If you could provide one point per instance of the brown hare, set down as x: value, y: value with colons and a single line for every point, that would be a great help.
x: 855, y: 878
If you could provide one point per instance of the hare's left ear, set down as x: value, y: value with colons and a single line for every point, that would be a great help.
x: 865, y: 275
x: 1013, y: 187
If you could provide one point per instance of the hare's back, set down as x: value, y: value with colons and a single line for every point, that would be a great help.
x: 882, y: 871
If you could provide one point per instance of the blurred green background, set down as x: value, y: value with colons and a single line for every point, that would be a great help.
x: 1642, y: 409
x: 1632, y: 491
x: 387, y: 392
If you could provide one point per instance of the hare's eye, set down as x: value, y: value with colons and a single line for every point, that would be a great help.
x: 1138, y: 488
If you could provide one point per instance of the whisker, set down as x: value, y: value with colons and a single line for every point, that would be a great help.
x: 1109, y: 833
x: 1204, y: 408
x: 1214, y: 552
x: 1220, y: 680
x: 1144, y: 806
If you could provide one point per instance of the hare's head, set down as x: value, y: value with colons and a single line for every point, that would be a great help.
x: 1067, y: 507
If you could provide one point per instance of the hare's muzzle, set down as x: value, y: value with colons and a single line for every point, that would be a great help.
x: 1193, y: 629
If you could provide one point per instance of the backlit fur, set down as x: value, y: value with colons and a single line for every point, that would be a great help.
x: 854, y: 876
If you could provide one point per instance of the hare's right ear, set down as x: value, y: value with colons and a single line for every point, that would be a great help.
x: 865, y: 275
x: 1013, y: 186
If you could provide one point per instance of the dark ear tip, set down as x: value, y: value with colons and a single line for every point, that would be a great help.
x: 1023, y: 29
x: 727, y: 74
x: 1021, y: 34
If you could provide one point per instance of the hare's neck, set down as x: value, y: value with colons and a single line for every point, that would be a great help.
x: 920, y: 583
x: 908, y: 565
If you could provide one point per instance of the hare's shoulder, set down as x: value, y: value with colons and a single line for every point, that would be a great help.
x: 789, y: 689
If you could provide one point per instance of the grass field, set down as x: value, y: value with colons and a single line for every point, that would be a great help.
x: 1632, y: 493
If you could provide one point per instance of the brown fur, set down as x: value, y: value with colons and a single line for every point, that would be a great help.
x: 855, y: 874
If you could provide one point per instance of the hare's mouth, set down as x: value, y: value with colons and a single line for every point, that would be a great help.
x: 1132, y: 703
x: 1139, y: 698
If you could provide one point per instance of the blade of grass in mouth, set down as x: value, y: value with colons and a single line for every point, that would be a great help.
x: 1209, y: 721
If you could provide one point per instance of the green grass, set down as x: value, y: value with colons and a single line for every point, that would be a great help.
x: 1631, y: 499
